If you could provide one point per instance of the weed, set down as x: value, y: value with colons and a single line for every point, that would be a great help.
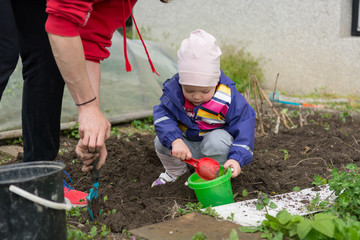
x: 245, y: 193
x: 326, y: 126
x: 286, y: 154
x: 338, y: 221
x: 196, y: 207
x: 4, y: 159
x: 346, y: 186
x: 199, y: 236
x: 237, y: 64
x: 231, y: 217
x: 294, y: 114
x: 115, y: 132
x: 343, y: 116
x: 325, y: 115
x: 144, y: 125
x: 18, y: 141
x: 263, y: 202
x: 296, y: 189
x: 319, y: 180
x: 72, y: 132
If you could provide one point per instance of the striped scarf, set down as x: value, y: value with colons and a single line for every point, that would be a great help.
x: 211, y: 115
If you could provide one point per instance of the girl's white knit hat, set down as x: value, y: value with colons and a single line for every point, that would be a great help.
x: 199, y: 60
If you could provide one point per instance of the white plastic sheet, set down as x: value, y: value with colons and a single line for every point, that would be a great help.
x: 121, y: 92
x: 245, y: 213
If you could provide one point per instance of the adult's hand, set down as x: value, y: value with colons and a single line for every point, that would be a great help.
x: 94, y: 128
x: 88, y: 158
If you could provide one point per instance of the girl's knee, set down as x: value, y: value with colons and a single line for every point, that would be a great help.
x: 160, y: 148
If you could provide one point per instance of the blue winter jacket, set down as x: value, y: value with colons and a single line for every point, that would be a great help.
x: 240, y: 119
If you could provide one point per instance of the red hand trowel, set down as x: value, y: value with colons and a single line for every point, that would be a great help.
x: 207, y: 168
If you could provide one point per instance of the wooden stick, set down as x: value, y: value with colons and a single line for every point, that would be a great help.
x: 261, y: 101
x: 276, y: 130
x: 274, y: 110
x: 276, y: 80
x: 289, y: 119
x: 257, y: 107
x: 300, y: 117
x: 248, y: 96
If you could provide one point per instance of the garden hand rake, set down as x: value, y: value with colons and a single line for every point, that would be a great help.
x: 92, y: 200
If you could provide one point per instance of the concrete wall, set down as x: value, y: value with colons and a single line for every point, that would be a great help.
x: 307, y: 41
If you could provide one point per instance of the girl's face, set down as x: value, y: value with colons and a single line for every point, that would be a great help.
x: 198, y: 95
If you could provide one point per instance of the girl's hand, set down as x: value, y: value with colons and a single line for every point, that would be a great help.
x: 180, y: 150
x: 234, y: 165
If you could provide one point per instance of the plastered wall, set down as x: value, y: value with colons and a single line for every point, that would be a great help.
x: 307, y: 41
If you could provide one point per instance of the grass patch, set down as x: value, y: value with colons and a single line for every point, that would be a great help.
x: 237, y: 64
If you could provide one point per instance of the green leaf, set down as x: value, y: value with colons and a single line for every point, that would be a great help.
x: 259, y: 206
x: 234, y: 235
x: 244, y: 193
x: 248, y: 229
x: 284, y: 217
x: 303, y: 228
x: 93, y: 232
x: 325, y: 227
x: 278, y: 236
x: 273, y: 205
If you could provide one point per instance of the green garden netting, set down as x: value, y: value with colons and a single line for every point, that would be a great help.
x: 121, y: 92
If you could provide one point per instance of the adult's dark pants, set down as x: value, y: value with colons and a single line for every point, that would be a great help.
x: 22, y: 30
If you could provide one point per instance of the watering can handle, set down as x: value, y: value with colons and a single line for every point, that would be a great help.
x: 36, y: 199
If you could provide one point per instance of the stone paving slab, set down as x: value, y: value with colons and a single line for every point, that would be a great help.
x: 185, y: 227
x: 11, y: 150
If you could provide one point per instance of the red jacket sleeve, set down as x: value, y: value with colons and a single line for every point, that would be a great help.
x: 94, y: 20
x: 67, y: 16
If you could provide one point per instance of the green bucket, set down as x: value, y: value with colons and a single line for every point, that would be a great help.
x: 214, y: 192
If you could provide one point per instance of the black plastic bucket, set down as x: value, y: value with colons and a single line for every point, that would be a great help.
x: 32, y: 204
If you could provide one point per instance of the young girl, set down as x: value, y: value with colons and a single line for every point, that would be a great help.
x: 201, y: 113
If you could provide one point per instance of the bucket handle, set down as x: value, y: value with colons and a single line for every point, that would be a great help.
x: 36, y: 199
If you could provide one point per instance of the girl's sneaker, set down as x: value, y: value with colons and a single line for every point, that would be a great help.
x: 163, y: 178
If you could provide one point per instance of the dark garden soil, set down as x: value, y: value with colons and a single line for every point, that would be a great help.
x: 281, y: 162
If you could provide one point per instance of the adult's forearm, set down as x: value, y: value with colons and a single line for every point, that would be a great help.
x: 69, y: 56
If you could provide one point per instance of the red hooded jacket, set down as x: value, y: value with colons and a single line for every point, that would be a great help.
x: 94, y: 20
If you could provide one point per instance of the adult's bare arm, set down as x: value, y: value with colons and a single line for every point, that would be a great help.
x: 94, y: 128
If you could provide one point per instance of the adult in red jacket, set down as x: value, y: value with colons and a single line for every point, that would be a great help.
x: 79, y: 33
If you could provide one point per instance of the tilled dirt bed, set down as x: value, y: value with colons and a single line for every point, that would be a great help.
x: 282, y: 161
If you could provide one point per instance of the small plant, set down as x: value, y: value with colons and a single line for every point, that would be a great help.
x: 296, y: 189
x: 346, y: 186
x: 325, y: 115
x: 196, y: 207
x: 72, y: 132
x: 115, y: 132
x: 343, y: 116
x: 199, y: 236
x: 245, y: 193
x: 326, y: 126
x: 190, y: 208
x: 263, y: 201
x: 18, y: 141
x: 286, y: 154
x: 338, y: 221
x: 318, y: 181
x: 144, y: 125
